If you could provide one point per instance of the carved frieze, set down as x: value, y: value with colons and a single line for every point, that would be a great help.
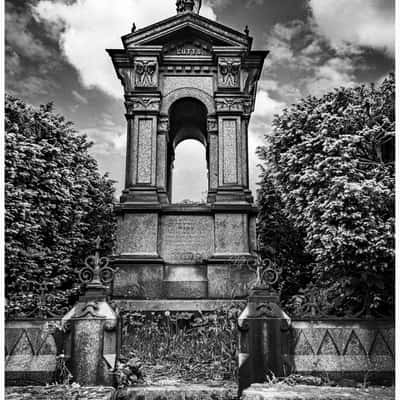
x: 146, y: 72
x: 229, y: 104
x: 142, y: 104
x: 229, y: 72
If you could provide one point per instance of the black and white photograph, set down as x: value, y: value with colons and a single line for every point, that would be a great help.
x: 199, y: 200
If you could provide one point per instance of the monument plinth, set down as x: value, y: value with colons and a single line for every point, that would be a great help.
x: 186, y: 77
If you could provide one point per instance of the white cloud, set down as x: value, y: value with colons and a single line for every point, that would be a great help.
x: 91, y: 26
x: 334, y: 73
x: 266, y: 107
x: 358, y: 22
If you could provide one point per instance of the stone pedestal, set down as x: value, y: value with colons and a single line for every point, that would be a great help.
x: 185, y: 252
x: 263, y: 338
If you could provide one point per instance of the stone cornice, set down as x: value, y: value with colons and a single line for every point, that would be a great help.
x: 171, y: 25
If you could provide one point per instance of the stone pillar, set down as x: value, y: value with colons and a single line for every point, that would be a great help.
x: 162, y: 154
x: 233, y: 184
x: 263, y: 335
x: 93, y: 329
x: 141, y: 170
x: 212, y: 157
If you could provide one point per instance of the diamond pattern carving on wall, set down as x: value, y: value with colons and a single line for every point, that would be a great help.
x: 32, y: 341
x: 344, y: 341
x: 328, y: 345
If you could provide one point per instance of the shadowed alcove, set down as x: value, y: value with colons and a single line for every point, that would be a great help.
x: 187, y: 160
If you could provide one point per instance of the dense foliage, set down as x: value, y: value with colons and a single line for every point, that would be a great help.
x: 327, y: 199
x: 56, y: 203
x: 186, y: 346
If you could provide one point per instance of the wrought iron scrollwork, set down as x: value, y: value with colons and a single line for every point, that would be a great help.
x: 267, y: 273
x: 44, y: 302
x: 97, y: 269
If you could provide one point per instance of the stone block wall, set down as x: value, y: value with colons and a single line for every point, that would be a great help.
x: 360, y: 349
x: 31, y: 349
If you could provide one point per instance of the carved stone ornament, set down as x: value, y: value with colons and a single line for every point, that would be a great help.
x: 126, y: 76
x: 229, y: 104
x: 142, y: 104
x: 248, y: 106
x: 163, y: 125
x: 212, y: 124
x: 146, y: 73
x: 229, y: 72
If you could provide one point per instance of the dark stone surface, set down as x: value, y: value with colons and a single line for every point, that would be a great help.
x: 138, y: 281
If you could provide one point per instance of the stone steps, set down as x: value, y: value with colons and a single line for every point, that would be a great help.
x: 198, y: 392
x: 302, y: 392
x: 179, y: 392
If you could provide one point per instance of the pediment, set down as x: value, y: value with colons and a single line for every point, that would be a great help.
x: 177, y: 30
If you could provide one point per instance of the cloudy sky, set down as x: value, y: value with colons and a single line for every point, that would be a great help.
x: 55, y: 51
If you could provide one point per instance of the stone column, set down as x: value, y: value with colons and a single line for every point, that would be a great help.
x: 162, y: 149
x: 142, y: 144
x: 130, y: 164
x: 212, y: 128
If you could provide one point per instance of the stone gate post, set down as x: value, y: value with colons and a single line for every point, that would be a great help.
x: 92, y: 328
x: 263, y: 333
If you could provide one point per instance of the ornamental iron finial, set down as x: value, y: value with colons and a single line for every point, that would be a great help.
x: 267, y: 273
x: 96, y: 271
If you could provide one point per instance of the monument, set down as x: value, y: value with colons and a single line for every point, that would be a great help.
x: 186, y: 77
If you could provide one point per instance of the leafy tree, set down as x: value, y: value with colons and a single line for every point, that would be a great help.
x: 56, y: 203
x: 329, y: 166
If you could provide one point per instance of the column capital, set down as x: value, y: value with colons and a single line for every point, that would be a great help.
x: 142, y: 104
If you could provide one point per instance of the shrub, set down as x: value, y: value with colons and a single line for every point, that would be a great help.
x: 56, y: 203
x: 329, y: 162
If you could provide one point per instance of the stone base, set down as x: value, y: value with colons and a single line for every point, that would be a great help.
x: 152, y: 279
x: 282, y: 392
x: 175, y: 305
x: 59, y: 392
x: 180, y: 391
x: 140, y: 194
x: 233, y: 194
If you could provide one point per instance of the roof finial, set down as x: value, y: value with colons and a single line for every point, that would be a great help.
x: 184, y: 6
x: 247, y: 30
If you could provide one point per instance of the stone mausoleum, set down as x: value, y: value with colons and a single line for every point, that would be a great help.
x: 186, y: 77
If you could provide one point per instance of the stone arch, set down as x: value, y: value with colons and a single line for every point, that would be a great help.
x: 197, y: 94
x: 187, y: 121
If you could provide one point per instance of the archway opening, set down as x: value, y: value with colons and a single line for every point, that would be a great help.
x: 187, y: 152
x: 189, y: 175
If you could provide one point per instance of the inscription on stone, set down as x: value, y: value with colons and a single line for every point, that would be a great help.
x: 186, y: 239
x: 187, y: 51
